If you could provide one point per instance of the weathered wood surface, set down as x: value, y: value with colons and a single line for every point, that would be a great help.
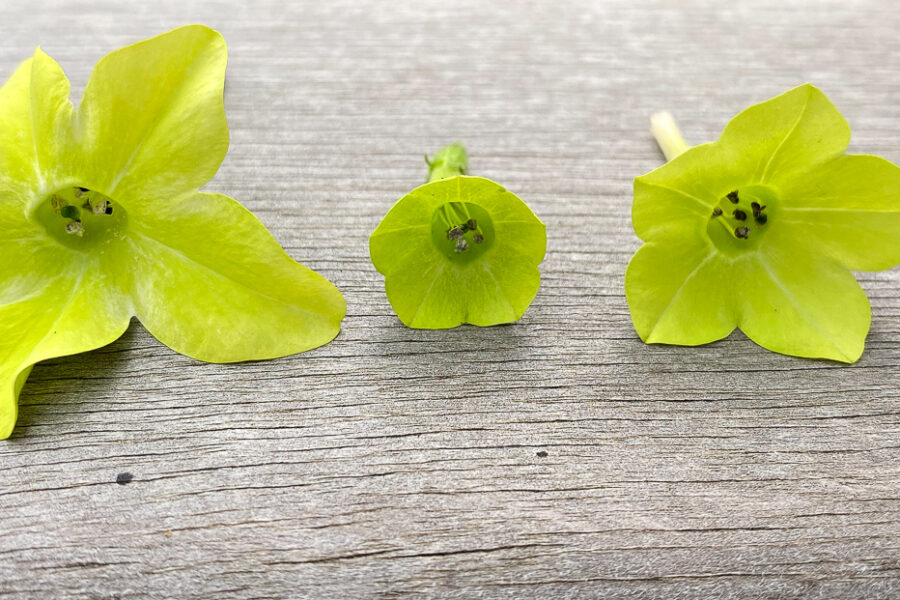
x: 398, y: 463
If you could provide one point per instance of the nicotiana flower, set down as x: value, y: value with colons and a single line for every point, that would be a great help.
x: 101, y: 220
x: 458, y: 249
x: 760, y: 229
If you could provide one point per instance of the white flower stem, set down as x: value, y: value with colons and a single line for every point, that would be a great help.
x: 667, y: 134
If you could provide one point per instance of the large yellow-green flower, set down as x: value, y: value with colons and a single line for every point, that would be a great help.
x: 101, y: 220
x: 760, y: 230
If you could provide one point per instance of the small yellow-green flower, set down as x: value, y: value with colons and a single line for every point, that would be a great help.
x: 101, y: 220
x: 458, y: 249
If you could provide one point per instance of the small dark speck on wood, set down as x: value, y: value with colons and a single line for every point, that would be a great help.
x: 123, y: 478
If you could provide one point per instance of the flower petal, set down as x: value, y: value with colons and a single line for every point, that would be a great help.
x: 35, y: 128
x: 212, y: 283
x: 678, y: 291
x: 152, y: 120
x: 682, y: 193
x: 780, y: 137
x: 796, y: 302
x: 53, y: 303
x: 848, y: 208
x: 429, y: 294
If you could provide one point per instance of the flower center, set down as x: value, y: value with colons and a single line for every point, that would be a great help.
x: 80, y: 218
x: 462, y: 231
x: 742, y: 217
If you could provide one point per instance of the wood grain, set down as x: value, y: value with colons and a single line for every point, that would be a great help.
x: 558, y: 457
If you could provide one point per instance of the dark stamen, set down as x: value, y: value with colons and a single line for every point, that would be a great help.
x: 471, y: 224
x: 739, y: 214
x: 108, y: 209
x: 717, y: 212
x: 733, y: 196
x: 454, y: 233
x: 761, y: 219
x: 756, y: 208
x: 477, y: 238
x: 742, y: 232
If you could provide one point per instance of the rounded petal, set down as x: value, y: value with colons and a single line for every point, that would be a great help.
x: 35, y: 129
x: 796, y: 302
x: 152, y: 120
x: 212, y: 283
x: 429, y: 291
x: 847, y: 208
x: 679, y: 291
x: 441, y: 295
x: 780, y: 137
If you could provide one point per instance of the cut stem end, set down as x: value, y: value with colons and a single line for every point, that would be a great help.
x: 667, y: 134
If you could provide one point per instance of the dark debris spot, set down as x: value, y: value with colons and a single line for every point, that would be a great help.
x: 541, y: 454
x: 123, y: 478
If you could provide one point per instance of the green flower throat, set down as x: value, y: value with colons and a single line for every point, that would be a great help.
x: 461, y: 231
x: 742, y: 217
x: 80, y: 218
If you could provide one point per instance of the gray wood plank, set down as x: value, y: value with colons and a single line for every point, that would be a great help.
x: 397, y: 463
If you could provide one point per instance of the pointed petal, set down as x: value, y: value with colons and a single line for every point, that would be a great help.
x: 35, y: 129
x: 796, y: 302
x: 780, y: 137
x: 848, y: 208
x: 53, y: 304
x: 682, y: 193
x: 212, y: 283
x: 679, y: 292
x: 152, y: 120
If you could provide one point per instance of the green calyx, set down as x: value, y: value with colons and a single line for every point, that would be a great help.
x: 449, y: 161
